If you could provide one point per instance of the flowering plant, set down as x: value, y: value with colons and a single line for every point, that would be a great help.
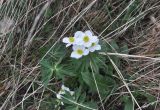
x: 79, y: 64
x: 63, y: 91
x: 82, y: 43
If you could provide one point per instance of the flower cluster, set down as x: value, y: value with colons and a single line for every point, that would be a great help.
x: 63, y: 91
x: 82, y: 43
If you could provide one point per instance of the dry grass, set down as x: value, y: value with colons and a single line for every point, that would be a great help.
x: 24, y: 32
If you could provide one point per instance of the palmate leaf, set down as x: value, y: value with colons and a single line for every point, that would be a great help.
x: 91, y: 105
x: 81, y: 64
x: 124, y: 49
x: 97, y: 61
x: 47, y: 103
x: 144, y: 95
x: 103, y: 83
x: 62, y: 70
x: 49, y: 68
x: 49, y: 64
x: 55, y: 53
x: 109, y: 46
x: 113, y: 45
x: 47, y: 71
x: 128, y: 103
x: 71, y: 108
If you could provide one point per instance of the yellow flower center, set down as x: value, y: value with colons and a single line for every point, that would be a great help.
x: 93, y: 44
x: 80, y: 52
x: 86, y: 39
x: 71, y: 39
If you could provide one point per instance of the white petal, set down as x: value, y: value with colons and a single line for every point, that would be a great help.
x: 78, y: 34
x: 72, y: 93
x: 81, y: 35
x: 76, y: 47
x: 68, y: 45
x: 65, y: 88
x: 88, y: 33
x: 75, y: 55
x: 62, y: 103
x: 94, y: 39
x: 92, y: 49
x: 58, y: 96
x: 78, y: 41
x: 82, y: 47
x: 97, y: 41
x: 65, y: 40
x: 86, y: 52
x: 98, y: 47
x: 88, y: 44
x: 61, y: 92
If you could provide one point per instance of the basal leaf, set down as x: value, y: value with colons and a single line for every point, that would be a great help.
x: 91, y: 105
x: 71, y: 108
x: 129, y: 104
x: 102, y: 83
x: 47, y: 71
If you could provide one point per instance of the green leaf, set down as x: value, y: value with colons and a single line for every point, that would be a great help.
x: 71, y: 108
x: 82, y: 98
x: 48, y: 13
x: 149, y: 97
x: 56, y: 53
x: 103, y: 83
x: 129, y: 104
x: 81, y: 64
x: 124, y: 49
x: 91, y: 105
x: 78, y: 93
x: 47, y: 103
x: 104, y: 46
x: 96, y: 62
x: 79, y: 98
x: 64, y: 70
x: 47, y: 29
x: 88, y: 79
x: 114, y: 46
x: 47, y: 71
x: 145, y: 96
x: 131, y: 11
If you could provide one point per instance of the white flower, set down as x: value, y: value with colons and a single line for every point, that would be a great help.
x: 82, y: 43
x: 79, y: 51
x: 62, y: 103
x: 87, y: 38
x: 60, y: 93
x: 58, y: 96
x: 78, y: 34
x: 63, y: 91
x: 64, y: 88
x: 72, y: 93
x: 69, y: 41
x: 95, y: 46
